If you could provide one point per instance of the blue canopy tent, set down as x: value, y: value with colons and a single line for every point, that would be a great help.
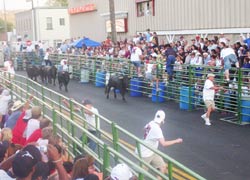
x: 85, y: 42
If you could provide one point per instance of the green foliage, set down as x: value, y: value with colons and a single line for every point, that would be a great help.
x: 9, y: 26
x: 57, y: 3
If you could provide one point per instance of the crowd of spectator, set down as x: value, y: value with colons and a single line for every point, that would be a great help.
x: 30, y: 150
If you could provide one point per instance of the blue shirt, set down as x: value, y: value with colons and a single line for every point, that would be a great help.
x: 11, y: 121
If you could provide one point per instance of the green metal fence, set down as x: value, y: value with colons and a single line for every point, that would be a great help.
x: 185, y: 88
x: 112, y: 141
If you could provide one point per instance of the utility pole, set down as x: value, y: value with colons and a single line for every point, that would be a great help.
x: 5, y: 21
x: 112, y: 20
x: 34, y: 21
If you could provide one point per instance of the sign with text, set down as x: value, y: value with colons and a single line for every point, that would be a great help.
x: 121, y: 25
x: 82, y: 9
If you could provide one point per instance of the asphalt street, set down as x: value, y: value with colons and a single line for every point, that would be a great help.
x: 217, y: 152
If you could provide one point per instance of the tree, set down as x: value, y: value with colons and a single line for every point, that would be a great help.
x: 9, y: 26
x: 62, y: 3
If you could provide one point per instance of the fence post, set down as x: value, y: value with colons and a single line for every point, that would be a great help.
x: 170, y: 170
x: 189, y: 87
x: 71, y: 106
x: 239, y: 99
x: 115, y: 138
x: 54, y: 120
x: 43, y: 98
x: 105, y: 161
x: 138, y: 147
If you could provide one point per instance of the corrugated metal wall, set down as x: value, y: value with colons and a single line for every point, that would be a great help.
x: 170, y: 15
x: 194, y: 14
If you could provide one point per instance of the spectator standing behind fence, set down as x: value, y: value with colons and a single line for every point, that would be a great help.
x: 229, y: 58
x: 136, y: 58
x: 152, y: 137
x: 208, y: 97
x: 46, y: 58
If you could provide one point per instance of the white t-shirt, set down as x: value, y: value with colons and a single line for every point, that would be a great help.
x: 4, y: 100
x: 225, y: 52
x: 135, y: 54
x: 46, y: 57
x: 152, y: 135
x: 208, y: 93
x: 9, y: 67
x: 4, y: 175
x: 149, y: 68
x: 91, y: 121
x: 33, y: 124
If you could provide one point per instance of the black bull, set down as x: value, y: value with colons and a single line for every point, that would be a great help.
x: 48, y: 73
x: 117, y: 82
x: 33, y: 71
x: 63, y: 79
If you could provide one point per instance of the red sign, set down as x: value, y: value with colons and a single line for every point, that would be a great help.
x: 82, y: 9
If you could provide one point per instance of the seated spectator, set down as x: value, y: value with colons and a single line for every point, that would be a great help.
x: 121, y: 172
x: 19, y: 135
x: 206, y: 58
x: 6, y: 135
x: 34, y: 122
x: 37, y: 134
x: 17, y: 109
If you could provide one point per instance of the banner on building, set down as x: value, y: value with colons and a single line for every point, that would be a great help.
x: 120, y: 24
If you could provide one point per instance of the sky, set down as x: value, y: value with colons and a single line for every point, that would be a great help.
x: 19, y: 4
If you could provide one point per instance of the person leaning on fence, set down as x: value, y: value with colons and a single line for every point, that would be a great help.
x: 229, y: 59
x: 92, y: 121
x: 152, y: 137
x: 208, y: 97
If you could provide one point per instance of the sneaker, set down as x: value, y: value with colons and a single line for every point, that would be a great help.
x: 150, y: 95
x: 207, y: 122
x: 203, y: 116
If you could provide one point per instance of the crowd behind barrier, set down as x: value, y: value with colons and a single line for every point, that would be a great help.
x: 233, y: 101
x: 61, y: 135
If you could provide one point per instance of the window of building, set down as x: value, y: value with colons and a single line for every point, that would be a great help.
x: 49, y: 23
x: 62, y: 22
x: 145, y: 7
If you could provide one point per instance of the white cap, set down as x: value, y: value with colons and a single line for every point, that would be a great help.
x: 121, y: 172
x: 159, y: 116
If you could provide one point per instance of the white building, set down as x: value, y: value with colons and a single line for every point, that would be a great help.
x: 50, y: 25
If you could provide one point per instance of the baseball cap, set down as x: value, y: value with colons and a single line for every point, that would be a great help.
x: 86, y: 102
x: 210, y: 75
x: 25, y: 160
x: 159, y: 116
x: 121, y: 172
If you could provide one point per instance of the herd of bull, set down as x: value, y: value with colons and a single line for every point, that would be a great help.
x: 48, y: 74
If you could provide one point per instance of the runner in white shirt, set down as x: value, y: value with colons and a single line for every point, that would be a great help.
x: 208, y: 97
x: 153, y: 136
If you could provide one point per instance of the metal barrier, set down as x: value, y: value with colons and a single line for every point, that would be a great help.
x: 185, y: 88
x: 111, y: 146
